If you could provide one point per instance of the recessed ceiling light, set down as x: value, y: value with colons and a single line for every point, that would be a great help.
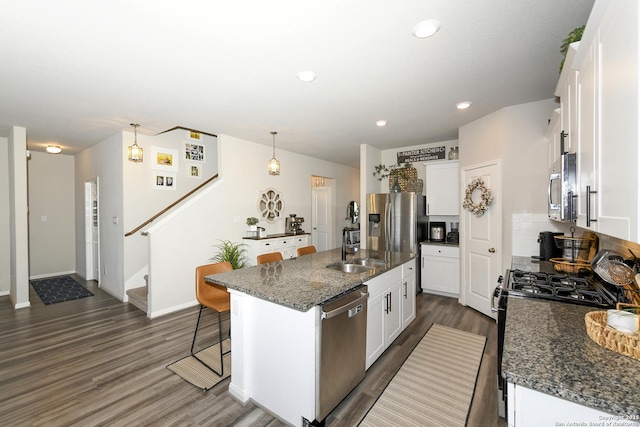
x: 381, y: 123
x: 427, y: 28
x: 306, y: 76
x: 54, y: 149
x: 463, y: 105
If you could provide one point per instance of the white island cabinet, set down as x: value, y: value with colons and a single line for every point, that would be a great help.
x: 531, y: 408
x: 408, y: 293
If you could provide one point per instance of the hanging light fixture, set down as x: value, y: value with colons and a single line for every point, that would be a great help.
x: 135, y: 151
x: 274, y: 164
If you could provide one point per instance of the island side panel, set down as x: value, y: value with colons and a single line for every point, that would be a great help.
x: 273, y: 356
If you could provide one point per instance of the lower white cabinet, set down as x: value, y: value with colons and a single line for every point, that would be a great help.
x: 408, y: 293
x: 527, y: 407
x: 287, y: 246
x: 441, y: 269
x: 384, y: 316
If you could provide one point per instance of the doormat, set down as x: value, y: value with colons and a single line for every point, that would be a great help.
x: 435, y: 385
x: 59, y: 289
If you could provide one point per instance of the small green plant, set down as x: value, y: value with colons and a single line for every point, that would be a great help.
x: 574, y: 36
x: 381, y: 171
x: 232, y: 252
x: 252, y: 220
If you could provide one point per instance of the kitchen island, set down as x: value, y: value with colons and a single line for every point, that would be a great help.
x: 275, y: 321
x: 557, y: 375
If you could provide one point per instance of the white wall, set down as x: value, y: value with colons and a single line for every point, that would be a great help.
x: 18, y: 222
x: 5, y: 249
x: 51, y: 215
x: 516, y: 136
x: 103, y: 161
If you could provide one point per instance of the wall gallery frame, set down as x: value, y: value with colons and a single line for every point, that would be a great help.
x: 193, y: 152
x: 164, y: 159
x: 194, y: 171
x: 164, y: 181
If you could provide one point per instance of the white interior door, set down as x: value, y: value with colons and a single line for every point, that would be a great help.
x: 321, y: 222
x: 92, y: 246
x: 480, y: 241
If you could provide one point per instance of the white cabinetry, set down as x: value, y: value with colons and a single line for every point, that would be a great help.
x: 408, y: 293
x: 443, y: 192
x: 384, y: 315
x: 287, y: 246
x: 524, y: 410
x: 441, y: 270
x: 608, y: 109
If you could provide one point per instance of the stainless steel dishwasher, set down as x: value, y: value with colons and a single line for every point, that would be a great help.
x: 343, y: 335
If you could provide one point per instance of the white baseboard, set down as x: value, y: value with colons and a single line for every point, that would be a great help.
x: 3, y: 293
x: 171, y: 309
x: 47, y: 275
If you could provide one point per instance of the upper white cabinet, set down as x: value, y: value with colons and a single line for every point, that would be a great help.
x: 607, y: 112
x: 443, y: 192
x: 567, y: 91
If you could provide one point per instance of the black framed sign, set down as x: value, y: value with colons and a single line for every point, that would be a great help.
x: 422, y: 155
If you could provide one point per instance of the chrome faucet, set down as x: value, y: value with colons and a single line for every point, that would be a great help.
x: 345, y: 235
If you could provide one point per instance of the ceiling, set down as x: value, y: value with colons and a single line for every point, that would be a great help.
x: 74, y: 72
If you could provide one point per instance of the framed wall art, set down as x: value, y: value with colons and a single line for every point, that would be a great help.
x: 193, y: 152
x: 194, y: 171
x: 164, y: 181
x: 164, y: 159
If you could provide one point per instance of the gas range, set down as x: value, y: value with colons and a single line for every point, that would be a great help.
x: 586, y: 290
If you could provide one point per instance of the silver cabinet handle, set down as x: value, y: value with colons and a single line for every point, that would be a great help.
x: 405, y: 290
x: 589, y: 193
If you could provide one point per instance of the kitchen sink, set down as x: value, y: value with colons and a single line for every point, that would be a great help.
x: 348, y: 267
x: 367, y: 262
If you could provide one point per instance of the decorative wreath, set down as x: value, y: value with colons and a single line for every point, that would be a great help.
x: 478, y: 209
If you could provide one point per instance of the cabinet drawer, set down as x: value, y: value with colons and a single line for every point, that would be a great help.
x: 439, y: 250
x: 268, y: 245
x: 408, y: 268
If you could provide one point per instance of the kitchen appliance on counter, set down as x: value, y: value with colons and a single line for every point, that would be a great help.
x: 437, y: 231
x: 396, y: 222
x: 548, y: 285
x: 352, y: 236
x: 293, y: 224
x: 548, y: 247
x: 453, y: 236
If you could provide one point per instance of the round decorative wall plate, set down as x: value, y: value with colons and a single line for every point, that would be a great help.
x: 270, y: 205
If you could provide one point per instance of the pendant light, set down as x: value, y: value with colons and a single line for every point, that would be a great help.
x: 135, y: 151
x: 274, y: 164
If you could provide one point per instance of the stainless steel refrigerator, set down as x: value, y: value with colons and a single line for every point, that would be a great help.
x: 397, y: 222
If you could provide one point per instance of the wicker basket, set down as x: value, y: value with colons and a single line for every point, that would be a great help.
x: 404, y: 175
x: 565, y: 265
x: 607, y: 337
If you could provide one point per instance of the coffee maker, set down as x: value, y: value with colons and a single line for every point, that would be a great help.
x: 293, y: 224
x: 453, y: 236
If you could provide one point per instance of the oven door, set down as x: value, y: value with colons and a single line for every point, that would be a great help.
x: 499, y: 306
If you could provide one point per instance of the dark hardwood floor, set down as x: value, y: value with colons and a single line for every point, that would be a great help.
x: 97, y: 361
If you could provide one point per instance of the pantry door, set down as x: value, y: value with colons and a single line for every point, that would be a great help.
x: 480, y: 239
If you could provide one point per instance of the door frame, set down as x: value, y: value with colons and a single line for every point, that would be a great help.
x: 92, y: 257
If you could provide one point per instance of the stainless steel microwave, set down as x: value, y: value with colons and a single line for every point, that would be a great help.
x: 562, y: 189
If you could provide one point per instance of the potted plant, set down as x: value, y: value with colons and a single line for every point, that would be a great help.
x: 574, y: 36
x: 251, y: 222
x: 232, y: 252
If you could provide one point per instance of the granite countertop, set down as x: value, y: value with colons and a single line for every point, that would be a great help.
x: 276, y: 236
x: 547, y: 349
x: 304, y: 282
x: 444, y: 243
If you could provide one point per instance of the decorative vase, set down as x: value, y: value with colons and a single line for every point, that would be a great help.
x: 395, y: 188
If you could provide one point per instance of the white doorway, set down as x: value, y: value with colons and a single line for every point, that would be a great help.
x: 92, y: 230
x: 321, y: 214
x: 480, y: 240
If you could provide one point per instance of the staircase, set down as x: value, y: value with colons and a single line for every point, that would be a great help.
x: 138, y: 296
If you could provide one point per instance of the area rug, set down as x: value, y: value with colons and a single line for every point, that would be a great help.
x: 59, y: 289
x: 435, y: 385
x: 200, y: 376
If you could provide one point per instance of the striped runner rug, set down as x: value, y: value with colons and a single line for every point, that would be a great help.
x: 435, y: 385
x: 200, y: 376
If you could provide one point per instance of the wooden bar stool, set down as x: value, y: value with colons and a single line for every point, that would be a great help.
x: 306, y: 250
x: 270, y: 257
x: 216, y: 298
